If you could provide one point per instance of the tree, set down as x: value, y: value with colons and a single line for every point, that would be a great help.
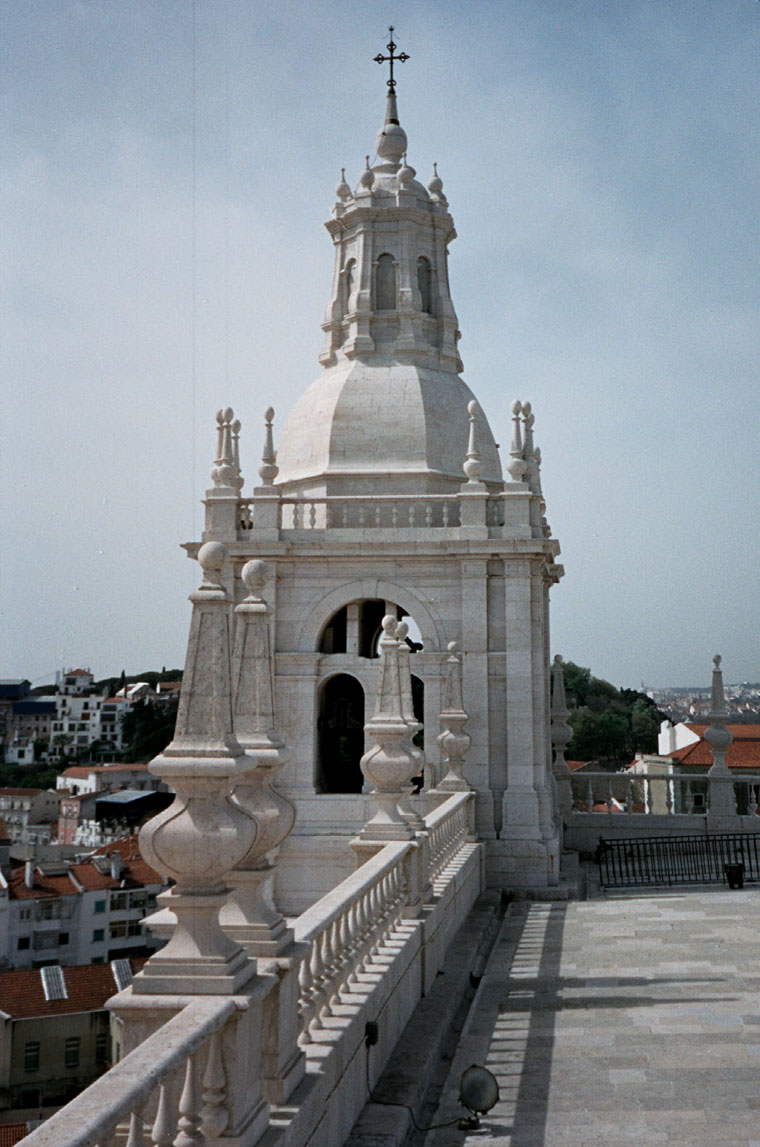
x: 608, y: 723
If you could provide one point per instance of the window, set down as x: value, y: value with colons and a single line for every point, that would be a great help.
x: 386, y: 284
x: 119, y: 901
x: 43, y: 941
x: 25, y: 914
x: 119, y: 928
x: 98, y: 959
x: 98, y: 935
x: 71, y: 1052
x: 48, y: 910
x: 100, y: 905
x: 63, y: 938
x: 101, y: 1049
x: 32, y: 1056
x: 23, y: 943
x: 423, y: 284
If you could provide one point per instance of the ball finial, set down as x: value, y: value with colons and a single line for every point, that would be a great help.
x: 389, y: 624
x: 255, y: 575
x: 212, y: 556
x: 717, y: 660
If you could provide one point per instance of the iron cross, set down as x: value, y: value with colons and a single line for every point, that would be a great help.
x: 402, y: 58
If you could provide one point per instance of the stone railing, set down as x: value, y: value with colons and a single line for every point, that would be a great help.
x: 662, y: 794
x: 448, y: 827
x: 370, y: 512
x: 173, y: 1084
x: 433, y: 511
x: 345, y: 929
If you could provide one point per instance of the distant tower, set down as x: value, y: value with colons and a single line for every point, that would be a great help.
x: 386, y: 495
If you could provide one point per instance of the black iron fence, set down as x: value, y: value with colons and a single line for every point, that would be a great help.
x: 679, y: 859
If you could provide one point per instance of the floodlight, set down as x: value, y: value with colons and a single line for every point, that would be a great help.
x: 478, y: 1091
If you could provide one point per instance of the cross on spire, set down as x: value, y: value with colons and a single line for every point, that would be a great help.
x: 401, y: 58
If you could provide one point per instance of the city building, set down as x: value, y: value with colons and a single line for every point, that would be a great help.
x: 55, y: 1033
x: 85, y: 912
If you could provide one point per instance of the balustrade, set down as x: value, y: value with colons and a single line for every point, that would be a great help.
x: 662, y: 794
x: 448, y: 827
x: 345, y: 929
x: 384, y: 511
x: 172, y: 1089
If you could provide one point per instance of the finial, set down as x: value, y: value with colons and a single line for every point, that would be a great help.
x: 268, y: 470
x: 224, y: 471
x: 516, y: 464
x: 343, y: 191
x: 238, y: 481
x: 255, y: 575
x: 435, y: 187
x: 389, y: 625
x: 367, y: 177
x: 406, y: 174
x: 473, y: 466
x: 717, y: 660
x: 211, y: 558
x: 401, y: 59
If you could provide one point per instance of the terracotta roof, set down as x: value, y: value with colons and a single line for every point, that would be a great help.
x: 12, y: 1133
x: 88, y: 986
x: 77, y: 673
x: 743, y: 752
x: 574, y: 765
x: 135, y: 873
x: 3, y: 830
x: 20, y: 792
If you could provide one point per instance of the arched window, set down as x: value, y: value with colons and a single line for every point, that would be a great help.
x: 348, y: 283
x: 423, y: 284
x: 340, y: 735
x: 386, y: 284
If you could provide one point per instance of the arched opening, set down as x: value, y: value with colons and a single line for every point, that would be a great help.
x: 348, y: 283
x: 340, y: 732
x: 385, y: 287
x: 423, y: 284
x: 354, y: 628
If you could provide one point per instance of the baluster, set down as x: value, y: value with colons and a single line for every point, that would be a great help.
x: 752, y: 807
x: 344, y: 514
x: 377, y: 515
x: 327, y: 972
x: 296, y: 515
x: 412, y: 514
x: 216, y: 1113
x: 362, y: 515
x: 164, y: 1127
x: 669, y: 797
x: 306, y: 995
x: 609, y: 794
x: 648, y: 796
x: 689, y: 796
x: 428, y: 514
x: 136, y: 1137
x: 445, y: 514
x: 312, y: 515
x: 629, y: 795
x: 317, y: 979
x: 189, y: 1109
x: 346, y: 940
x: 352, y: 928
x: 590, y: 795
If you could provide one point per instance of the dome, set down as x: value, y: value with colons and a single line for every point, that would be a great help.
x: 365, y: 428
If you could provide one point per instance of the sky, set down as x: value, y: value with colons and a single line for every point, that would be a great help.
x: 168, y: 167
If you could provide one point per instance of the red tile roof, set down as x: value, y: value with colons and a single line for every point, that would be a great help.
x: 22, y: 994
x: 743, y: 752
x: 574, y: 765
x: 12, y: 1133
x: 20, y: 792
x: 77, y: 673
x: 135, y: 873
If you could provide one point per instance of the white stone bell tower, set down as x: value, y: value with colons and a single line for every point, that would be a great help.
x: 386, y: 495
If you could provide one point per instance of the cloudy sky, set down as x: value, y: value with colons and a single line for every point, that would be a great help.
x: 168, y: 166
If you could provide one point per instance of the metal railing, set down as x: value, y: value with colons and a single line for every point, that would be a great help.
x: 648, y: 860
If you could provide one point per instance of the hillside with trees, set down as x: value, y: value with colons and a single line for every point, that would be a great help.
x: 609, y: 725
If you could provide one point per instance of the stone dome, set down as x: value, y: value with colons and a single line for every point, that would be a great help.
x: 369, y: 428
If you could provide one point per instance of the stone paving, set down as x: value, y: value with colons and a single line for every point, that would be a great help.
x: 631, y: 1018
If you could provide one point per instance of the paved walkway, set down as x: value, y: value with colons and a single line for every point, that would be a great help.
x: 628, y: 1019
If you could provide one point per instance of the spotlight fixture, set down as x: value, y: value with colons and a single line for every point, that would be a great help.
x: 478, y: 1091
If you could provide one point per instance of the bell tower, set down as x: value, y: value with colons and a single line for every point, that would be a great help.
x: 386, y: 496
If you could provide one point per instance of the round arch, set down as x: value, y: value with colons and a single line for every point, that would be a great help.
x: 340, y: 734
x: 431, y: 628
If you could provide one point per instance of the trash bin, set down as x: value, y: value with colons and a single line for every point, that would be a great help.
x: 734, y: 874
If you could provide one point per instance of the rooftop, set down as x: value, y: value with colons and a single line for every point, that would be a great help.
x: 24, y: 994
x: 623, y: 1019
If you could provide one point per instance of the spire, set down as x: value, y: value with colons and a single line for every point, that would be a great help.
x: 390, y: 142
x: 473, y: 466
x: 268, y: 470
x: 516, y: 464
x: 717, y: 735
